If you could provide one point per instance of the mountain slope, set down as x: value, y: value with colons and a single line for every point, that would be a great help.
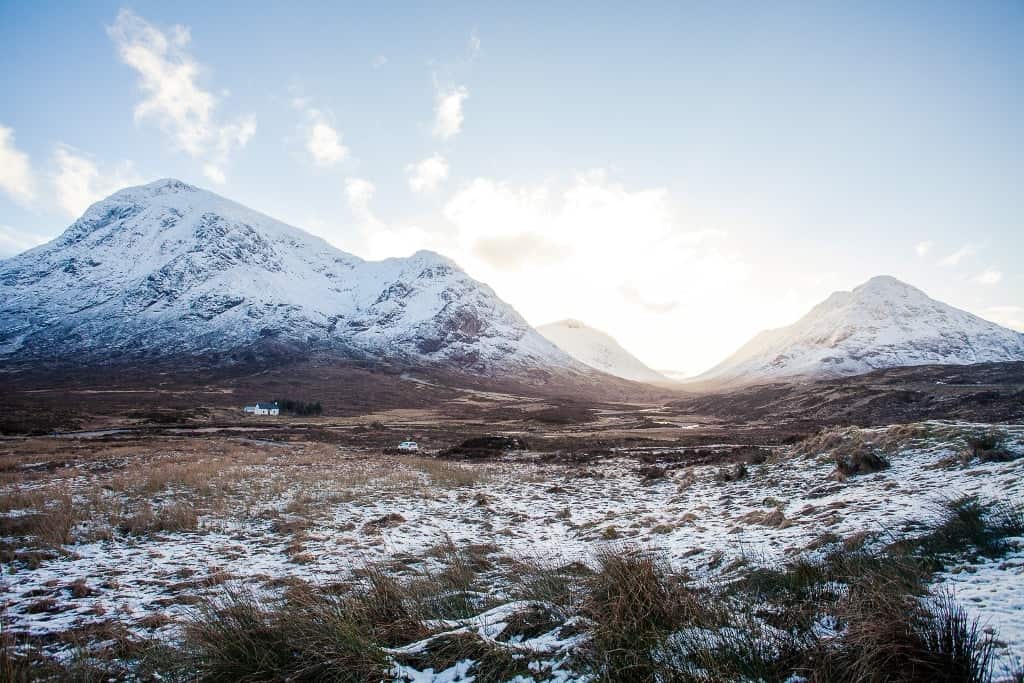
x: 882, y: 323
x: 167, y: 268
x: 598, y: 350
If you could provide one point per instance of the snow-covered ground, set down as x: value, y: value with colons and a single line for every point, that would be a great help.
x: 319, y: 513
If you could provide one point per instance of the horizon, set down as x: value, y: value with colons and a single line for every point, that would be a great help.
x: 669, y: 373
x: 643, y: 178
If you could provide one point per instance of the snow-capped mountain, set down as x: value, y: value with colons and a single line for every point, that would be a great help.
x: 168, y: 268
x: 598, y: 350
x: 880, y: 324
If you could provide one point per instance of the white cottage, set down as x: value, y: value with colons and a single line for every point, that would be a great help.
x: 264, y: 409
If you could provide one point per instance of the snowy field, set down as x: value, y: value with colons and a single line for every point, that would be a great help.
x: 137, y: 535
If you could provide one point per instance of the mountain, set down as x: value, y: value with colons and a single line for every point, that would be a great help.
x: 598, y: 350
x: 883, y: 323
x: 167, y: 268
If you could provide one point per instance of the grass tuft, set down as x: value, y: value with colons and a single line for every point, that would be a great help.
x: 969, y: 524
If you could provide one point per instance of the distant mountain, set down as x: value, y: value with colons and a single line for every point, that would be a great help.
x: 167, y: 268
x: 883, y: 323
x: 598, y: 350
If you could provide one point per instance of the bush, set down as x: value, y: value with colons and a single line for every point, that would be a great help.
x: 734, y: 473
x: 311, y: 637
x: 858, y: 458
x: 634, y: 603
x: 986, y: 447
x: 289, y: 405
x: 485, y: 447
x: 891, y: 636
x: 970, y: 524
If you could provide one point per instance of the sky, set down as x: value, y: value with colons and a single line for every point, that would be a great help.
x: 679, y: 175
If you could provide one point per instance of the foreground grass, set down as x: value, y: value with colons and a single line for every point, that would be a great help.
x: 857, y: 609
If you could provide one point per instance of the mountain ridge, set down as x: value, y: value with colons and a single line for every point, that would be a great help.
x: 168, y: 267
x: 881, y: 323
x: 598, y: 350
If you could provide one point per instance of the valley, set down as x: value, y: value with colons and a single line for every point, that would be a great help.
x: 231, y: 451
x: 137, y: 533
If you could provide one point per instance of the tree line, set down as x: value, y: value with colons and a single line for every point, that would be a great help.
x: 289, y: 405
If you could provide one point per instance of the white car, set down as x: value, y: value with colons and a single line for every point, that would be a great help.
x: 409, y: 447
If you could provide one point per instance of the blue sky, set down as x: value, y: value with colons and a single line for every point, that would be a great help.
x: 679, y: 175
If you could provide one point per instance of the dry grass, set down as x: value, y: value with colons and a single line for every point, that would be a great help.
x: 634, y: 602
x: 853, y: 450
x: 50, y: 520
x: 242, y: 637
x: 445, y: 474
x: 640, y: 619
x: 890, y: 636
x: 175, y: 517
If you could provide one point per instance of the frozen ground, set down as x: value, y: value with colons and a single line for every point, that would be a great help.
x: 152, y: 528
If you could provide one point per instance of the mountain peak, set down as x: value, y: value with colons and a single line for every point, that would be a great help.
x: 881, y: 323
x: 163, y: 186
x: 170, y: 185
x: 886, y: 285
x: 428, y: 257
x: 883, y: 281
x: 168, y: 268
x: 598, y: 350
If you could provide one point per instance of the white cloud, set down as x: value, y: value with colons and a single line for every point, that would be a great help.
x: 323, y: 141
x: 428, y: 174
x: 448, y: 113
x: 989, y: 277
x: 215, y: 173
x: 79, y: 182
x: 519, y: 251
x: 168, y: 78
x: 379, y: 61
x: 923, y: 248
x: 358, y: 193
x: 959, y: 255
x: 229, y: 136
x: 16, y: 178
x: 16, y: 241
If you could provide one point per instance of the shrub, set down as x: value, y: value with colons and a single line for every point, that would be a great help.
x: 734, y: 473
x: 392, y: 613
x: 858, y: 457
x: 290, y: 405
x: 311, y: 637
x: 986, y: 447
x: 634, y: 603
x: 891, y: 636
x: 51, y: 524
x: 968, y: 523
x: 560, y: 586
x: 170, y: 518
